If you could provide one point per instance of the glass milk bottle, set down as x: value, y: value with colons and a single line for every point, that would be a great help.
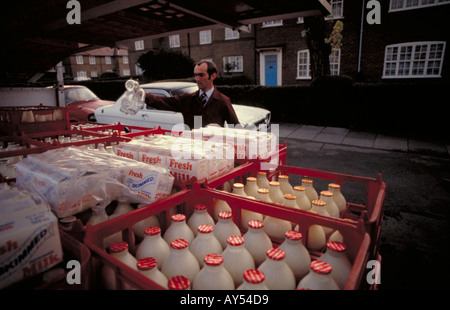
x: 297, y: 256
x: 275, y: 193
x: 139, y: 227
x: 256, y: 241
x: 153, y: 245
x: 148, y: 267
x: 199, y: 217
x: 178, y: 229
x: 263, y: 194
x: 290, y: 200
x: 318, y: 278
x: 179, y: 283
x: 311, y: 192
x: 213, y: 275
x: 123, y: 206
x: 253, y: 280
x: 225, y: 227
x: 219, y: 206
x: 251, y: 187
x: 285, y: 186
x: 338, y: 198
x: 316, y: 237
x: 204, y: 243
x: 237, y: 259
x: 278, y: 274
x: 275, y: 227
x: 261, y: 179
x: 319, y: 207
x: 120, y: 251
x: 180, y: 261
x: 303, y: 201
x: 330, y: 206
x: 335, y: 256
x: 238, y: 189
x: 247, y: 216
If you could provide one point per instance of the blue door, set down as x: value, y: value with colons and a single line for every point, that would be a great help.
x: 270, y: 65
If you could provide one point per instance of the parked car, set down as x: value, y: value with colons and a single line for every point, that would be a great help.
x: 150, y: 117
x: 82, y: 103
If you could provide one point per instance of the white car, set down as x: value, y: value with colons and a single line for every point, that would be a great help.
x: 150, y: 117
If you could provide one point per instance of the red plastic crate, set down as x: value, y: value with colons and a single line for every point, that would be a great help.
x: 357, y: 246
x: 370, y: 211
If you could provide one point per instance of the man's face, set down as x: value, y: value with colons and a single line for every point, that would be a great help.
x: 204, y: 81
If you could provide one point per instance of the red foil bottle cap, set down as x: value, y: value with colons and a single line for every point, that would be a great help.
x: 225, y: 214
x: 179, y: 283
x: 179, y: 244
x: 147, y: 263
x: 178, y: 217
x: 321, y: 267
x: 152, y: 231
x: 293, y: 235
x: 336, y: 246
x: 213, y: 259
x: 254, y: 276
x: 255, y: 224
x: 118, y: 246
x: 276, y: 254
x: 235, y: 240
x: 205, y: 228
x: 200, y: 207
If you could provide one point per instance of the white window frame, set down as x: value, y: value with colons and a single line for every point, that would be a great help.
x: 126, y: 72
x: 403, y: 5
x: 307, y: 76
x: 125, y: 60
x: 94, y: 74
x: 337, y: 7
x: 92, y: 60
x: 79, y: 59
x: 231, y: 34
x: 238, y: 61
x: 174, y: 41
x: 335, y: 62
x: 413, y: 60
x: 205, y: 37
x: 273, y: 23
x: 81, y: 74
x: 108, y: 60
x: 139, y: 45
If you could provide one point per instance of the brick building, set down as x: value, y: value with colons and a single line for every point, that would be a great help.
x: 409, y: 43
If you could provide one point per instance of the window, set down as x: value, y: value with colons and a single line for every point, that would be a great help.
x: 230, y: 34
x: 337, y: 9
x: 92, y: 60
x: 412, y: 60
x: 94, y: 74
x: 174, y: 41
x: 139, y: 45
x: 126, y: 72
x: 107, y: 60
x: 303, y: 65
x: 273, y: 23
x: 81, y: 74
x: 205, y: 37
x: 335, y: 61
x: 79, y: 59
x: 125, y: 59
x: 401, y: 5
x: 233, y: 64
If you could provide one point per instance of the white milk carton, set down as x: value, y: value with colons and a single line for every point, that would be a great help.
x: 29, y: 236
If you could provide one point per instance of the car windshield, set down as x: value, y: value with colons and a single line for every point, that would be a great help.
x: 79, y: 94
x: 189, y: 89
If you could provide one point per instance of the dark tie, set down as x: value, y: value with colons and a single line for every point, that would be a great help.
x: 203, y: 99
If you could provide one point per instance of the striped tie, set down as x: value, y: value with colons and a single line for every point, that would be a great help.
x: 203, y: 99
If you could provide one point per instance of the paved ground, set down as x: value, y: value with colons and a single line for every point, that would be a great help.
x: 416, y: 227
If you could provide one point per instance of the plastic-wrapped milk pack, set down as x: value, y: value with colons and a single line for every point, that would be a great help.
x: 74, y: 179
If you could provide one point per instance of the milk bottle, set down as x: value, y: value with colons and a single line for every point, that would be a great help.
x: 336, y: 257
x: 120, y: 251
x: 180, y: 261
x: 204, y: 243
x: 237, y: 259
x: 256, y: 241
x: 285, y: 186
x: 253, y: 280
x: 219, y: 206
x: 123, y: 206
x: 147, y: 266
x: 297, y: 256
x: 303, y: 201
x: 278, y: 274
x: 238, y: 189
x: 290, y: 200
x: 310, y: 190
x: 318, y: 278
x: 338, y: 198
x: 316, y: 237
x: 199, y: 217
x: 330, y: 206
x: 225, y: 227
x: 319, y: 207
x: 262, y: 180
x: 263, y: 194
x: 179, y: 283
x: 178, y: 229
x: 275, y: 193
x: 139, y: 227
x: 213, y: 275
x: 153, y: 245
x: 251, y: 187
x: 247, y: 215
x: 275, y: 227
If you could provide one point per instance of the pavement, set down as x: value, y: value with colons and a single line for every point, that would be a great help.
x: 369, y: 140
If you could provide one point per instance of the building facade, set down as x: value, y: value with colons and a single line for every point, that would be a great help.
x: 385, y: 40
